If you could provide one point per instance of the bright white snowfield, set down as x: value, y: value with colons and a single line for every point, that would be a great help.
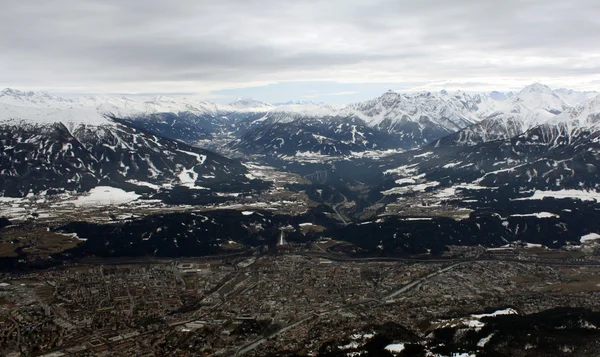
x: 106, y: 195
x: 395, y: 348
x: 574, y: 194
x: 34, y: 115
x: 590, y: 237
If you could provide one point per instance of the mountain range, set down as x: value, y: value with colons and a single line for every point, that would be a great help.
x: 413, y: 120
x: 541, y: 137
x: 560, y: 152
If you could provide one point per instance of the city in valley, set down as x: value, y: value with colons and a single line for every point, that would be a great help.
x: 332, y: 178
x: 300, y: 300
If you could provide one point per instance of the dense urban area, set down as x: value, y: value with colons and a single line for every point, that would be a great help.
x: 288, y: 301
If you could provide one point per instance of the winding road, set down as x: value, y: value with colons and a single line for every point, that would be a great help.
x: 338, y: 213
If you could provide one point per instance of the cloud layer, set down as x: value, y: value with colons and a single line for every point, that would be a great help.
x: 204, y: 46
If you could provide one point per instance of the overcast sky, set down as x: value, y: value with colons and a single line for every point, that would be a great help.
x: 277, y: 50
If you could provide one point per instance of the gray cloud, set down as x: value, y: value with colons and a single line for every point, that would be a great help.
x: 199, y: 45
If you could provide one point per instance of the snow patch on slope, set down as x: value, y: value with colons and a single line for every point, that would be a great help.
x: 575, y: 194
x: 590, y: 237
x: 106, y: 195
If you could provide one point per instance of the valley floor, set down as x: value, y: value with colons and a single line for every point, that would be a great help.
x: 296, y: 301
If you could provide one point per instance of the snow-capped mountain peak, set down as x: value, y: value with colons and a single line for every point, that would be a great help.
x: 13, y: 92
x: 585, y: 115
x: 250, y: 103
x: 416, y: 118
x: 573, y: 98
x: 540, y: 96
x: 41, y: 108
x: 390, y: 97
x: 392, y: 111
x: 298, y: 102
x: 535, y: 105
x: 32, y: 99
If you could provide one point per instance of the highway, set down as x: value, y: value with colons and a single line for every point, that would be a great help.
x: 416, y: 282
x: 387, y: 299
x: 319, y: 176
x: 553, y: 262
x: 252, y: 345
x: 257, y: 343
x: 338, y: 213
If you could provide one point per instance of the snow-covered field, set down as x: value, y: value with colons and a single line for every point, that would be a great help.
x: 395, y: 347
x: 268, y: 173
x: 538, y: 215
x: 590, y: 237
x: 473, y: 321
x: 101, y: 200
x: 574, y: 194
x: 410, y: 188
x: 106, y: 195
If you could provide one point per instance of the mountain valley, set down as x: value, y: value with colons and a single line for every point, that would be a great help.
x: 439, y: 219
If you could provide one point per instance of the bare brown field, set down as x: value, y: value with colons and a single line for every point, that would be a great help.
x: 34, y: 241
